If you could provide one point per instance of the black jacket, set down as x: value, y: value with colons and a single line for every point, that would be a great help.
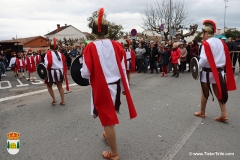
x: 164, y: 57
x: 235, y: 46
x: 153, y: 54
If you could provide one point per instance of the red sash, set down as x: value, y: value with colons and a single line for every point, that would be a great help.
x: 65, y: 71
x: 133, y: 61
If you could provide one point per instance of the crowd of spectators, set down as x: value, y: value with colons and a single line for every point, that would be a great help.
x: 159, y: 56
x: 164, y: 56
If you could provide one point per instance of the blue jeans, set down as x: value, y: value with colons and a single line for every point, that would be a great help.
x: 153, y: 65
x: 2, y: 68
x: 145, y: 61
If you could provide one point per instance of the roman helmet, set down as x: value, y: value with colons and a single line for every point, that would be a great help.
x: 210, y: 27
x: 99, y: 24
x: 20, y: 55
x: 29, y: 52
x: 13, y: 54
x: 54, y: 44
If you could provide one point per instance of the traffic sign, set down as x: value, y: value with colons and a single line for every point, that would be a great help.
x: 133, y: 32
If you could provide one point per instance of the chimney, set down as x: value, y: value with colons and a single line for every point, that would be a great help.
x: 65, y: 24
x: 58, y: 27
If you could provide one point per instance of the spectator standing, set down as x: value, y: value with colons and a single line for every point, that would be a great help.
x: 139, y: 57
x: 229, y: 43
x: 73, y: 53
x: 193, y: 49
x: 169, y: 46
x: 235, y: 46
x: 145, y: 55
x: 175, y: 55
x: 3, y: 61
x: 165, y: 54
x: 183, y: 57
x: 153, y: 57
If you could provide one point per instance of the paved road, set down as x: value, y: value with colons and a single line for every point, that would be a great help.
x: 10, y: 85
x: 164, y: 129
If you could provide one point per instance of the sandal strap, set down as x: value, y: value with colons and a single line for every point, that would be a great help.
x: 108, y: 155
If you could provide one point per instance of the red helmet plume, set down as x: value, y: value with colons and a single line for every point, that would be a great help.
x: 212, y: 23
x: 100, y: 17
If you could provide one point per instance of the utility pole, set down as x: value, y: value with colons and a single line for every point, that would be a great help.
x: 225, y: 16
x: 170, y: 23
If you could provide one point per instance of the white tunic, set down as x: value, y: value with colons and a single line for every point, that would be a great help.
x: 128, y: 55
x: 218, y: 55
x: 21, y: 61
x: 56, y: 64
x: 12, y: 61
x: 109, y: 66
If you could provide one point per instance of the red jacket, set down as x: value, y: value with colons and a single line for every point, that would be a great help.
x: 175, y: 55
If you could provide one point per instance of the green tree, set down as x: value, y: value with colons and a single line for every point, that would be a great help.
x: 8, y: 146
x: 198, y: 37
x: 115, y: 31
x: 232, y: 34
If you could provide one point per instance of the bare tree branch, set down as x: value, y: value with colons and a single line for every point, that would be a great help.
x: 160, y: 13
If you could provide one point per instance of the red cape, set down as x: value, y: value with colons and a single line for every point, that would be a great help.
x: 231, y: 84
x: 18, y: 63
x: 31, y: 67
x: 133, y: 61
x: 101, y: 94
x: 38, y: 59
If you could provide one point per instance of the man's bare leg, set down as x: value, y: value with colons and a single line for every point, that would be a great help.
x: 21, y: 74
x: 222, y: 106
x: 128, y: 76
x: 61, y: 91
x: 50, y: 90
x: 33, y: 77
x: 28, y: 76
x: 111, y: 138
x: 203, y: 103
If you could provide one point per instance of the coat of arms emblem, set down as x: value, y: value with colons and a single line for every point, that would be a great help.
x: 13, y: 143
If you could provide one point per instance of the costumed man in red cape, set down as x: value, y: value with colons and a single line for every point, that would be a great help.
x: 214, y: 58
x: 31, y: 66
x: 21, y: 67
x: 55, y: 62
x: 12, y: 64
x: 130, y: 58
x: 38, y: 58
x: 104, y: 65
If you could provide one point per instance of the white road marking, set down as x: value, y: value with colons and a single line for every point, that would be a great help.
x: 175, y: 149
x: 9, y: 85
x: 37, y: 81
x: 30, y: 93
x: 21, y: 84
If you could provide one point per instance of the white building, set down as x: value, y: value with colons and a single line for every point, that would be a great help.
x: 67, y: 31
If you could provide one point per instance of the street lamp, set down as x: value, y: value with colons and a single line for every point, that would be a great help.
x: 225, y: 15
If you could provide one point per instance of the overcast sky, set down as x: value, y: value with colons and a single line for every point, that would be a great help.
x: 26, y: 18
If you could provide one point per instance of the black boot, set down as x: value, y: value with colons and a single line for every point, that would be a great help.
x: 177, y: 75
x: 173, y: 75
